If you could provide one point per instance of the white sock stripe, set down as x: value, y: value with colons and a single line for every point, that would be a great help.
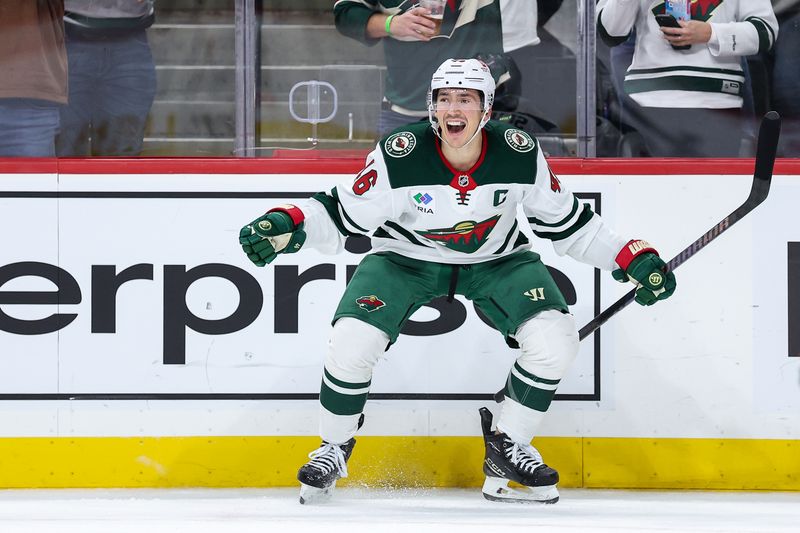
x: 342, y: 390
x: 542, y: 386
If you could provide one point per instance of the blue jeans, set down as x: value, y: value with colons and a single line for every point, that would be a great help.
x: 621, y: 57
x: 112, y: 84
x: 28, y: 127
x: 676, y: 132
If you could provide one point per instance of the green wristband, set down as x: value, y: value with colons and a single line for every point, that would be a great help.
x: 389, y: 23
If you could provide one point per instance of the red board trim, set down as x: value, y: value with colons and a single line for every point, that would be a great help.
x: 190, y: 165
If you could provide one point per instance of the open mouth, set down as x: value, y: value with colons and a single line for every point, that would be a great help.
x: 455, y: 126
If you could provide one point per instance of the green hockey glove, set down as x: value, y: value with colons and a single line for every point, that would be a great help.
x: 279, y: 231
x: 639, y: 262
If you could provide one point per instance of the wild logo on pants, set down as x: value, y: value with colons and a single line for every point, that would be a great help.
x: 370, y: 303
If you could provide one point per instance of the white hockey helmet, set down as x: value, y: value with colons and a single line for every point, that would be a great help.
x: 462, y: 74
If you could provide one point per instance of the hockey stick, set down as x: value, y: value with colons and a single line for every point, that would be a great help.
x: 768, y: 135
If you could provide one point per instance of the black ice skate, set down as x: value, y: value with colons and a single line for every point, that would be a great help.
x: 318, y: 476
x: 508, y: 461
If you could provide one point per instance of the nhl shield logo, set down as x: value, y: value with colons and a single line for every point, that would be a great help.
x: 400, y: 144
x: 519, y: 140
x: 370, y: 303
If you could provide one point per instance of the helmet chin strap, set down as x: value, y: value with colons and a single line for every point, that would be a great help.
x: 484, y: 120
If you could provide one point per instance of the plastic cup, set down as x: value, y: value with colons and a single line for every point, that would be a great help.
x: 436, y: 8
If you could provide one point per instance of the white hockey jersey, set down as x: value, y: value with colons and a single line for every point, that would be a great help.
x: 707, y: 75
x: 411, y: 201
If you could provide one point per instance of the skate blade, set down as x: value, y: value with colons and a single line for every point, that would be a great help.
x: 312, y: 495
x: 497, y: 490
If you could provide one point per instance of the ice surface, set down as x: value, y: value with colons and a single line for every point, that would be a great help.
x: 387, y: 511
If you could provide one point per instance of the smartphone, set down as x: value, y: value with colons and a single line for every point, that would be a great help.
x: 668, y: 21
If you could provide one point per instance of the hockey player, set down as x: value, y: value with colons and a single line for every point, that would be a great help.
x: 440, y: 202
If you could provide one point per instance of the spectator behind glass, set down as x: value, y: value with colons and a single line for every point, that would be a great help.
x: 786, y: 75
x: 517, y: 100
x: 112, y: 78
x: 521, y: 21
x: 470, y: 28
x: 519, y: 33
x: 692, y: 98
x: 519, y: 24
x: 33, y: 84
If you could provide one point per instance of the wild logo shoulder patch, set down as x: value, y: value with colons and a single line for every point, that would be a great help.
x: 400, y: 144
x: 520, y: 141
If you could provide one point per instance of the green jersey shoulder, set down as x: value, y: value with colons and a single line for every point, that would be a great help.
x: 413, y: 156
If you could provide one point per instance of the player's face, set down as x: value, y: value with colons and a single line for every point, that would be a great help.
x: 459, y: 113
